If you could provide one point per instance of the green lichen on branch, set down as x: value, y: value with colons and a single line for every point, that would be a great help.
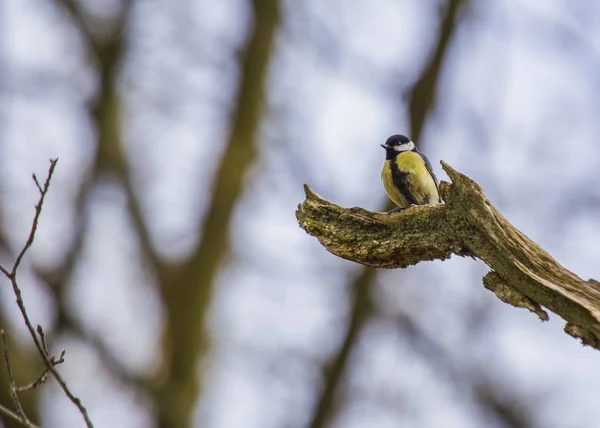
x: 378, y: 239
x: 523, y: 274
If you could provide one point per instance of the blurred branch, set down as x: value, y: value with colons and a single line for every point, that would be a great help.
x: 12, y: 420
x: 39, y: 337
x: 335, y: 369
x: 508, y: 408
x: 523, y: 274
x: 107, y: 54
x: 188, y: 294
x: 100, y: 46
x: 422, y: 97
x: 422, y: 100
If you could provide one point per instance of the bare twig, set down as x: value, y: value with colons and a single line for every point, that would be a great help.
x: 4, y: 271
x: 22, y: 417
x: 7, y: 412
x: 37, y: 183
x: 40, y: 332
x: 38, y: 212
x: 40, y: 342
x: 61, y: 357
x: 41, y: 379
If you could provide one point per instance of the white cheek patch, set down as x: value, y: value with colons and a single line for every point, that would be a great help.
x: 405, y: 147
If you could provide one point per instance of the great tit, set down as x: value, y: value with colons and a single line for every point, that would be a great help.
x: 407, y: 175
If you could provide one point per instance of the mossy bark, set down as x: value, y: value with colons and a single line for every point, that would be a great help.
x: 523, y: 274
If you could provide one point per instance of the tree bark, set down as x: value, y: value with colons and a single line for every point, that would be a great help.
x: 522, y: 273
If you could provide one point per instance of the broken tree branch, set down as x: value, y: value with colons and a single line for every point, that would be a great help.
x: 523, y: 274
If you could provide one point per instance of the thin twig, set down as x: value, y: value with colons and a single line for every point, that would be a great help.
x: 41, y: 379
x: 37, y: 183
x: 12, y: 275
x: 4, y: 271
x: 7, y: 412
x: 38, y: 211
x: 22, y: 417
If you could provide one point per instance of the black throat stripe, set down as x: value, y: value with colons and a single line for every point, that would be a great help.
x: 400, y: 180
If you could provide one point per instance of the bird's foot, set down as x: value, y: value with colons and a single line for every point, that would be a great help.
x: 395, y: 210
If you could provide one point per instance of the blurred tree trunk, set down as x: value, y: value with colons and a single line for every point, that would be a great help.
x: 186, y: 287
x: 188, y: 295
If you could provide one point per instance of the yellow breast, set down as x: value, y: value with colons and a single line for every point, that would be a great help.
x: 418, y: 182
x: 388, y: 184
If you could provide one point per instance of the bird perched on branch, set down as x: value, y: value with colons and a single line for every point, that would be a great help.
x: 407, y: 175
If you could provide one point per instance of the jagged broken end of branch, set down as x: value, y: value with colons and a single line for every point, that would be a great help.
x: 311, y: 194
x: 467, y: 224
x: 493, y: 282
x: 586, y: 337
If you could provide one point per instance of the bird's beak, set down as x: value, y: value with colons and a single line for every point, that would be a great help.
x: 385, y: 146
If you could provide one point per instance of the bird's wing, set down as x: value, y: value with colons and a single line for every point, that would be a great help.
x: 430, y: 170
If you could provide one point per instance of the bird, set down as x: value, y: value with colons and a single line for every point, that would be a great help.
x: 407, y: 175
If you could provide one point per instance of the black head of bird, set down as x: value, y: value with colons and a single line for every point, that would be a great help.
x: 397, y: 144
